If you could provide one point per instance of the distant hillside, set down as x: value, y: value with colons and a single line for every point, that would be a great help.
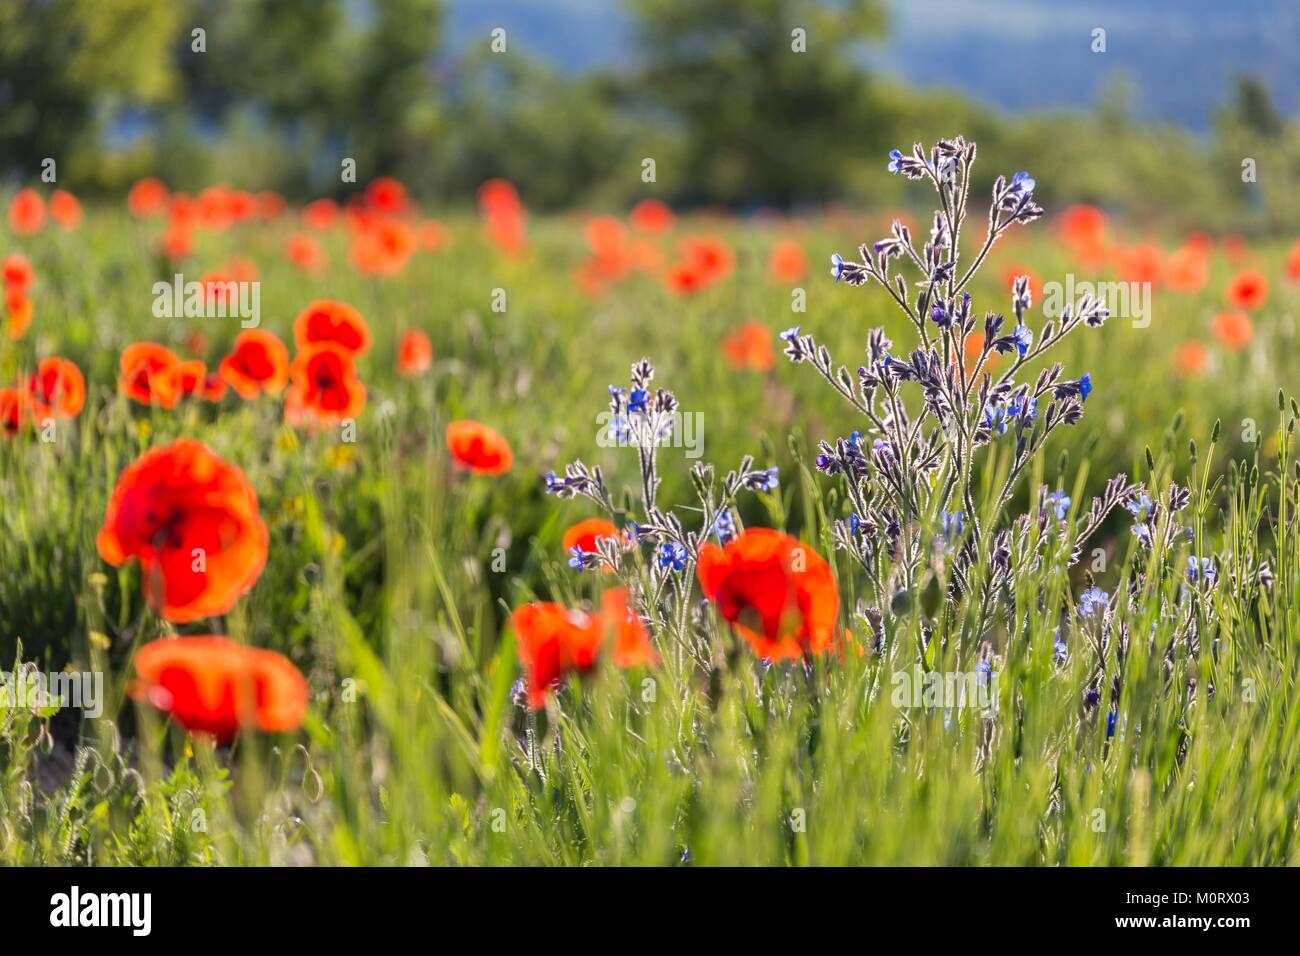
x: 1179, y: 55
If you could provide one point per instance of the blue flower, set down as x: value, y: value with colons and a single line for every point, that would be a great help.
x: 855, y: 523
x: 789, y: 333
x: 1143, y: 532
x: 578, y: 558
x: 1024, y: 338
x: 763, y: 480
x: 1059, y: 650
x: 983, y: 671
x: 615, y: 391
x: 725, y: 527
x: 620, y: 430
x: 1013, y: 409
x: 1141, y: 507
x: 672, y: 555
x: 952, y: 523
x: 1112, y: 718
x: 1060, y: 501
x: 995, y: 419
x: 638, y: 400
x: 1085, y: 386
x: 837, y: 268
x: 1205, y: 569
x: 1093, y: 600
x: 895, y: 161
x: 939, y: 317
x: 1022, y: 184
x: 553, y: 484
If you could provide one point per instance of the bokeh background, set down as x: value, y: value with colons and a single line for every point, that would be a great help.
x: 710, y: 89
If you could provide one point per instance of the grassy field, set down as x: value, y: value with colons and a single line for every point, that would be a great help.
x: 391, y: 577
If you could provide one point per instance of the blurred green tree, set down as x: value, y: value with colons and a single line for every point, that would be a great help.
x: 67, y: 66
x: 770, y: 93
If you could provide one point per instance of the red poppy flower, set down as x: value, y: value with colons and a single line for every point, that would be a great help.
x: 1247, y: 290
x: 583, y: 535
x: 605, y: 236
x: 1141, y: 263
x: 1083, y: 226
x: 58, y: 388
x: 14, y: 411
x: 684, y: 279
x: 306, y: 253
x: 632, y: 644
x: 414, y: 353
x: 177, y: 241
x: 477, y: 448
x: 147, y: 198
x: 19, y: 309
x: 320, y: 214
x: 749, y: 347
x: 149, y: 374
x: 386, y: 195
x: 26, y: 212
x: 325, y: 386
x: 1293, y: 263
x: 192, y: 521
x: 18, y: 273
x: 552, y: 641
x: 1232, y: 329
x: 190, y: 377
x: 788, y: 263
x: 651, y: 216
x: 65, y: 209
x: 1189, y: 359
x: 384, y: 247
x: 710, y: 257
x: 327, y: 322
x: 213, y: 685
x: 1186, y: 270
x: 778, y: 593
x: 503, y: 214
x: 258, y: 363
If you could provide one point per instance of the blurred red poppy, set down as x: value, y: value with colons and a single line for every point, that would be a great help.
x: 213, y: 685
x: 788, y: 263
x: 1233, y: 330
x: 149, y: 374
x: 26, y: 212
x: 329, y: 322
x: 65, y: 209
x: 147, y: 198
x: 477, y: 448
x: 777, y: 592
x: 258, y: 363
x: 1247, y: 290
x: 414, y: 353
x: 58, y: 388
x: 18, y: 273
x: 192, y: 521
x: 651, y: 217
x: 749, y: 347
x: 18, y: 309
x: 325, y: 388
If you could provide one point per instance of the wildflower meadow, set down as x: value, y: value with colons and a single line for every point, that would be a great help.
x: 363, y: 529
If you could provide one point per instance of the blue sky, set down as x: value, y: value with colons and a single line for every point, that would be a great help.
x: 1178, y: 55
